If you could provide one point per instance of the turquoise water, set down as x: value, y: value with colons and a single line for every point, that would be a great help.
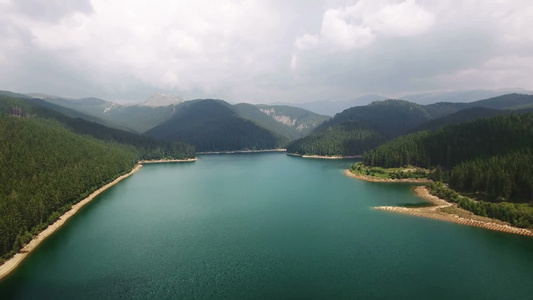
x: 266, y: 226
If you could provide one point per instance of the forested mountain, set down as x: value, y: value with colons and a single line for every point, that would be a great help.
x: 287, y: 121
x: 465, y: 96
x: 50, y: 161
x: 488, y: 159
x: 147, y: 148
x: 509, y: 101
x: 330, y: 108
x: 362, y: 128
x: 45, y: 168
x: 392, y: 118
x: 464, y: 116
x: 491, y: 156
x: 137, y: 118
x: 212, y: 125
x: 343, y: 139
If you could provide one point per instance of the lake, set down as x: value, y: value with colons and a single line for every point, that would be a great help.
x: 266, y: 226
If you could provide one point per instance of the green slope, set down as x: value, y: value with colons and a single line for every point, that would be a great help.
x: 212, y: 125
x: 286, y: 121
x: 392, y: 118
x: 463, y: 116
x: 49, y: 161
x: 45, y: 168
x: 362, y: 128
x: 147, y: 148
x: 487, y: 159
x: 137, y: 118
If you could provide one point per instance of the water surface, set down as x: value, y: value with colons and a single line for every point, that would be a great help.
x: 264, y: 226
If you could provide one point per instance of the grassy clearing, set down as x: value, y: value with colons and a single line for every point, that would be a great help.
x: 408, y: 172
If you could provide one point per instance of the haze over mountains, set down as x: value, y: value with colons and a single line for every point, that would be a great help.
x: 330, y: 108
x: 216, y: 125
x: 199, y: 122
x: 361, y: 128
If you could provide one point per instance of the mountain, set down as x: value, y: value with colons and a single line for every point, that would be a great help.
x: 146, y: 147
x: 330, y: 108
x: 160, y: 99
x: 51, y: 161
x: 490, y: 159
x: 287, y: 121
x: 137, y: 118
x: 460, y: 96
x: 212, y: 125
x: 465, y: 115
x: 508, y: 101
x: 361, y: 128
x: 45, y: 168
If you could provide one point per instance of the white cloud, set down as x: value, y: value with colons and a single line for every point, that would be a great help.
x: 338, y: 30
x: 497, y: 72
x: 306, y: 41
x: 359, y: 25
x: 244, y: 50
x: 399, y: 19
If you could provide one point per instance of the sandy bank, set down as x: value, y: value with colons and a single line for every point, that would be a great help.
x: 14, y: 261
x: 159, y: 161
x: 323, y: 157
x: 375, y: 179
x: 446, y: 211
x: 243, y: 151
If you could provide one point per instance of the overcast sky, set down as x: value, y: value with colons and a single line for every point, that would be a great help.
x: 263, y: 51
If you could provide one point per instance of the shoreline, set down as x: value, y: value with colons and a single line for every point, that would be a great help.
x: 388, y: 180
x: 442, y: 209
x: 12, y: 263
x: 242, y: 151
x: 160, y: 161
x: 446, y: 211
x: 324, y: 157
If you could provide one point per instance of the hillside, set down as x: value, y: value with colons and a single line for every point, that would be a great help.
x: 465, y: 115
x: 146, y: 147
x: 287, y: 121
x: 159, y: 99
x: 51, y: 161
x: 361, y: 128
x: 212, y: 125
x: 392, y: 118
x: 137, y: 118
x: 508, y: 101
x: 488, y: 159
x: 45, y: 168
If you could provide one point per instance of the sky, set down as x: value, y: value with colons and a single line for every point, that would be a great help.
x: 263, y: 51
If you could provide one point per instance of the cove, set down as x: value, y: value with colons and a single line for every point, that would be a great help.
x: 263, y: 226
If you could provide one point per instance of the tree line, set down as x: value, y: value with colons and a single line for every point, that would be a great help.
x: 488, y: 159
x: 49, y: 161
x: 44, y: 169
x: 344, y: 139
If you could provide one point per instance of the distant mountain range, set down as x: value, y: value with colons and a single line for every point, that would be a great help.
x: 362, y: 128
x: 159, y: 99
x: 200, y: 122
x: 330, y: 108
x: 216, y: 125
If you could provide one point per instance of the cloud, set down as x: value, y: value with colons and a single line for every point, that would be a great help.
x: 359, y: 25
x: 306, y: 41
x: 263, y: 51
